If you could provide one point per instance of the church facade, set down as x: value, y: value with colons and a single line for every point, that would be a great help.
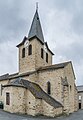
x: 39, y: 88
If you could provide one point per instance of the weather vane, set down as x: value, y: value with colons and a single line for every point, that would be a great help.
x: 37, y: 6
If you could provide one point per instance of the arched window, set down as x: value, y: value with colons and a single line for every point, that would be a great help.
x: 42, y: 53
x: 47, y: 57
x: 30, y: 50
x: 48, y: 88
x: 23, y: 52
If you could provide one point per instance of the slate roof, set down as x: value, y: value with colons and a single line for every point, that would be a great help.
x: 8, y: 76
x: 16, y: 75
x: 36, y: 90
x: 5, y: 76
x: 36, y: 30
x: 55, y: 66
x: 80, y: 88
x: 23, y: 41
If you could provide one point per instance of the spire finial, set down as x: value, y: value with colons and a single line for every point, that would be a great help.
x: 37, y: 6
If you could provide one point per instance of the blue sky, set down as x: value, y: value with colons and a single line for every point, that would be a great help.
x: 62, y: 24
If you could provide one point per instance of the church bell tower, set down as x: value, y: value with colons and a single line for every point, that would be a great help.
x: 33, y: 50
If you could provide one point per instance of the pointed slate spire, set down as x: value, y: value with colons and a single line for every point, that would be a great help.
x: 36, y: 30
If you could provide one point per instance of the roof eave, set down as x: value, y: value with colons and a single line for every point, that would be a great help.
x: 48, y: 48
x: 24, y: 39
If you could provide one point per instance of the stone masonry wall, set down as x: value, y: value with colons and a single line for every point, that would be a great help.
x: 66, y: 99
x: 17, y: 99
x: 21, y: 101
x: 68, y: 72
x: 54, y: 77
x: 42, y: 61
x: 49, y: 110
x: 28, y: 62
x: 2, y: 82
x: 31, y: 62
x: 75, y: 99
x: 30, y: 104
x: 39, y: 107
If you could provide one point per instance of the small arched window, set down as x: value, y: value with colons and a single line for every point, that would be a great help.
x: 48, y: 88
x: 23, y: 52
x: 42, y: 53
x: 30, y: 50
x: 47, y: 57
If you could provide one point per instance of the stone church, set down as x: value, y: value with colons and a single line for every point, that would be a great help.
x: 39, y: 87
